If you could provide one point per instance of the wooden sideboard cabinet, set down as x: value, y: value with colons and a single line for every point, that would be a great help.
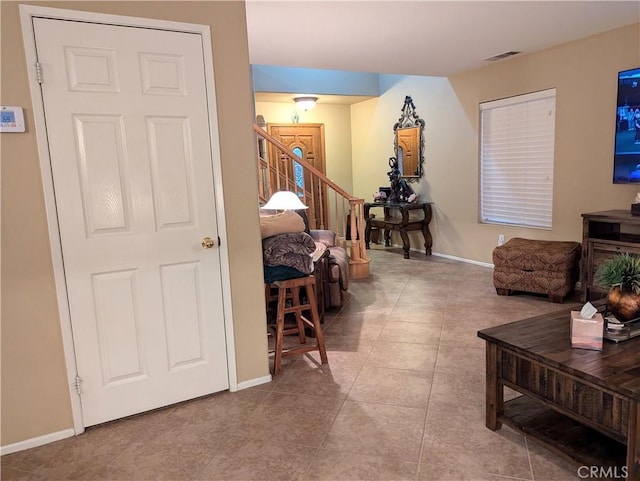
x: 605, y: 234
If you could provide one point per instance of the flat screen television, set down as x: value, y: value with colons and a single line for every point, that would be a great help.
x: 626, y: 157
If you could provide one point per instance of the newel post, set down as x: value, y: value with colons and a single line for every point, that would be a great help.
x: 359, y: 263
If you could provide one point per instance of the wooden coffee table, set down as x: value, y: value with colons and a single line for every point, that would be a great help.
x: 583, y: 405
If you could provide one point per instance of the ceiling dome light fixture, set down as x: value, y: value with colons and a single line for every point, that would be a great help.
x: 305, y: 103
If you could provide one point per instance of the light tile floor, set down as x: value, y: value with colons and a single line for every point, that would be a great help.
x: 401, y: 399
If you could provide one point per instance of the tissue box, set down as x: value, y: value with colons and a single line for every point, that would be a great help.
x: 587, y: 333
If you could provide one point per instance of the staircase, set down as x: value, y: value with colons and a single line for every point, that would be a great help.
x: 330, y: 206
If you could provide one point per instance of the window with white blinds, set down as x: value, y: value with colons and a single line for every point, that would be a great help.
x: 516, y: 159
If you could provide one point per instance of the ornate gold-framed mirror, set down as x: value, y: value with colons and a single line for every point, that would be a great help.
x: 408, y: 142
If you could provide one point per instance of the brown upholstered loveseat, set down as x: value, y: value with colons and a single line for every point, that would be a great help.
x: 338, y: 270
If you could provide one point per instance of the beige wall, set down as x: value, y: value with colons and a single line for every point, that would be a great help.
x: 584, y: 74
x: 35, y: 396
x: 337, y: 133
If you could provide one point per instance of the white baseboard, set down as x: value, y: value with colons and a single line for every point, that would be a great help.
x: 254, y: 382
x: 462, y: 259
x: 35, y: 442
x: 447, y: 256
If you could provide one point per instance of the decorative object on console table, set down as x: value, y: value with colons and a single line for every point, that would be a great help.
x: 407, y: 194
x: 379, y: 197
x: 621, y: 275
x: 400, y: 190
x: 394, y: 179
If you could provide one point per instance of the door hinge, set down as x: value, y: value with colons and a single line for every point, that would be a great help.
x: 78, y: 384
x: 39, y: 72
x: 218, y: 241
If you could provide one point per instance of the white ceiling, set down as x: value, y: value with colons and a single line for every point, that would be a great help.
x: 420, y: 37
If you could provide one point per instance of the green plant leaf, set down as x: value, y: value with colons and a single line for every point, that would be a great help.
x: 621, y: 270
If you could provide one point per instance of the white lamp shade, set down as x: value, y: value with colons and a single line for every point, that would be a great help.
x: 284, y: 200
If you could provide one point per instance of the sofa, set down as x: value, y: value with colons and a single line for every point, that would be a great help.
x: 337, y: 269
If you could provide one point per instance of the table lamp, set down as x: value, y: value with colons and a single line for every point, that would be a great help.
x: 284, y: 200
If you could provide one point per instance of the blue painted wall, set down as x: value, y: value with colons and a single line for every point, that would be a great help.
x: 268, y: 78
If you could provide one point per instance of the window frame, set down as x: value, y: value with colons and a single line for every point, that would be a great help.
x: 516, y: 182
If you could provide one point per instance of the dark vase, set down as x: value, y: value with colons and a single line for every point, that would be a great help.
x: 623, y: 304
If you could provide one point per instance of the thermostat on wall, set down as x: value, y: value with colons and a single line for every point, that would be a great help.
x: 12, y: 119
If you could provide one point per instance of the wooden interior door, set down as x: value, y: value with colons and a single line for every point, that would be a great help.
x: 307, y: 141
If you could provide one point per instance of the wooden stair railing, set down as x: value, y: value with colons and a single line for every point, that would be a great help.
x: 330, y: 206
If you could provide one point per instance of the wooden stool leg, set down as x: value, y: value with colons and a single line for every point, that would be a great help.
x: 277, y: 359
x: 296, y: 303
x: 267, y: 298
x: 315, y: 318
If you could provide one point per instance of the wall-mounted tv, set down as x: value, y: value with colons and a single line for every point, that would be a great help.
x: 626, y: 157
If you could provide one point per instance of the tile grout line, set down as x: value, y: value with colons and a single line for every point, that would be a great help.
x: 526, y: 445
x: 426, y: 417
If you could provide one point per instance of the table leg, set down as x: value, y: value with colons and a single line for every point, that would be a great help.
x: 495, y: 394
x: 405, y: 242
x: 633, y: 443
x: 367, y: 233
x: 387, y: 238
x: 428, y: 240
x: 367, y: 225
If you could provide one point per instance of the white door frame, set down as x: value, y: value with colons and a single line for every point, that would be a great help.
x: 27, y: 12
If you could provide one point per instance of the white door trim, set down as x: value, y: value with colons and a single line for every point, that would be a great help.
x: 27, y: 12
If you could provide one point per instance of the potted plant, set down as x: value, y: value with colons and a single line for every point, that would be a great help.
x: 621, y: 275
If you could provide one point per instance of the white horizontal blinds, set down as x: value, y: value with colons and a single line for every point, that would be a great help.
x: 516, y: 159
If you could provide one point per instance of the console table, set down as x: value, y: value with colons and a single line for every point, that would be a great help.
x: 583, y: 405
x: 404, y: 222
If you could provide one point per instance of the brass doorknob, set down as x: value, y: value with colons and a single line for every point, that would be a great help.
x: 207, y: 243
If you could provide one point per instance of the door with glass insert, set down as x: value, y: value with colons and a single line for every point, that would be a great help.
x: 306, y: 141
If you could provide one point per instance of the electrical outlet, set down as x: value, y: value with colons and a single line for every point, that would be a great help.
x: 500, y: 239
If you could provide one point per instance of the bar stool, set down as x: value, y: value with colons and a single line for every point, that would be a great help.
x: 289, y: 289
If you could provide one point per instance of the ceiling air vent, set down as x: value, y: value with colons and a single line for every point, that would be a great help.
x: 500, y: 56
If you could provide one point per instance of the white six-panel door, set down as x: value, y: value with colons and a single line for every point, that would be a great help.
x: 128, y: 132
